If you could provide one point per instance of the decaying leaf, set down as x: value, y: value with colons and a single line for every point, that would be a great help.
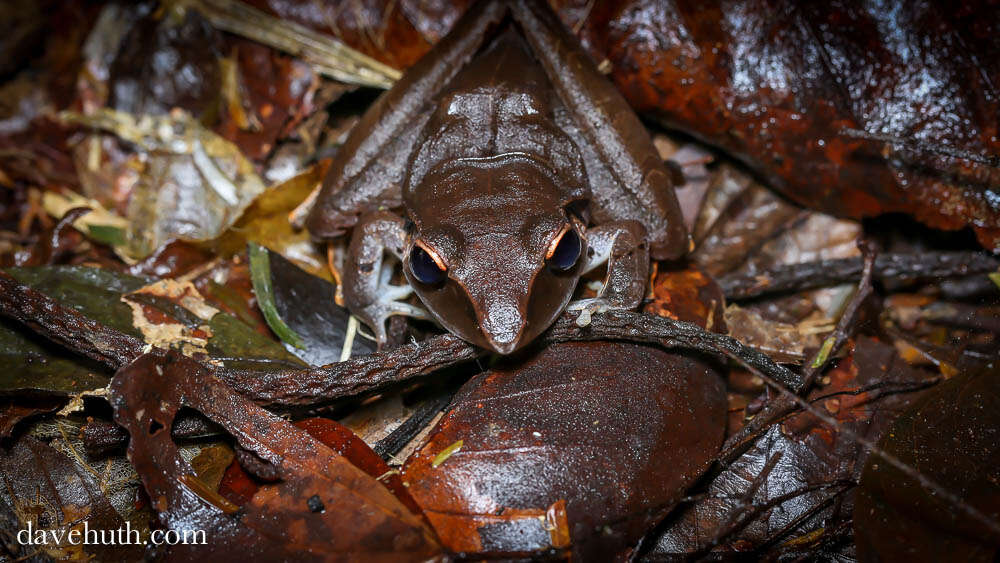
x: 323, y: 507
x: 266, y: 222
x: 785, y: 342
x: 162, y: 331
x: 238, y: 486
x: 565, y: 450
x: 950, y: 436
x: 688, y: 295
x: 58, y: 497
x: 194, y: 186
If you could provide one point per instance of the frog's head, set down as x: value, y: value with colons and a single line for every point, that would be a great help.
x: 496, y: 248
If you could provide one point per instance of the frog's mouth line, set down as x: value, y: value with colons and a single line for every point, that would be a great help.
x: 495, y: 161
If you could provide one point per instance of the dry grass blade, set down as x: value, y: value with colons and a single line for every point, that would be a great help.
x: 327, y: 55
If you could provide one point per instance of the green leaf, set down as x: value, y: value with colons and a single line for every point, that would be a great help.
x: 260, y: 275
x: 112, y: 236
x: 824, y: 352
x: 32, y: 364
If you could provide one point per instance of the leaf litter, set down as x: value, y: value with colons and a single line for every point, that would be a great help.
x: 762, y: 251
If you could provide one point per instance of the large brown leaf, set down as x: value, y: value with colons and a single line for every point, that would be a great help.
x: 950, y: 436
x: 580, y: 447
x: 774, y: 83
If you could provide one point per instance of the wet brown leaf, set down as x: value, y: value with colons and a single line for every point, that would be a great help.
x: 688, y: 295
x: 238, y: 486
x: 787, y: 491
x: 568, y: 449
x: 775, y: 83
x: 276, y: 90
x: 950, y: 436
x: 323, y: 507
x: 169, y: 59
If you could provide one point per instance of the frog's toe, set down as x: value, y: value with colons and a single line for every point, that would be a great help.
x: 588, y: 307
x: 377, y: 314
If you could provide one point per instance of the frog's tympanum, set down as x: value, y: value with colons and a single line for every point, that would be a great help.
x: 518, y: 167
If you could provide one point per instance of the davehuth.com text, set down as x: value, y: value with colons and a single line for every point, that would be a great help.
x: 118, y: 536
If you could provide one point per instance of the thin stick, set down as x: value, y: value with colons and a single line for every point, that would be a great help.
x: 873, y: 449
x: 919, y: 146
x: 779, y: 409
x: 889, y: 268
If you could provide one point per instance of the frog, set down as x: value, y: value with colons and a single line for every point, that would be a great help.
x: 518, y: 168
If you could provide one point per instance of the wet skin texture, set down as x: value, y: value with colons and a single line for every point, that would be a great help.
x: 519, y: 167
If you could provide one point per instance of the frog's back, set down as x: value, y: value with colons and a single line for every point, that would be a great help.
x: 500, y: 107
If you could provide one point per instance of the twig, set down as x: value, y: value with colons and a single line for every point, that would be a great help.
x: 846, y: 323
x: 779, y: 409
x: 65, y: 326
x: 918, y: 146
x: 886, y: 387
x: 666, y: 333
x: 398, y: 438
x: 889, y: 268
x: 873, y: 449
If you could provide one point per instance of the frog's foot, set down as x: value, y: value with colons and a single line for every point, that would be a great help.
x: 588, y: 307
x: 389, y: 302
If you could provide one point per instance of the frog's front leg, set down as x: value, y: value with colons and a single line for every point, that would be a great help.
x: 623, y: 246
x: 367, y: 275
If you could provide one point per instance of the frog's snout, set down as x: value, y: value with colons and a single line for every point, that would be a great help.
x: 503, y: 323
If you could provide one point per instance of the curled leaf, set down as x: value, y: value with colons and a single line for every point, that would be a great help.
x: 194, y: 186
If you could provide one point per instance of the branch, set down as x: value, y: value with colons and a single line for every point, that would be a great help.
x: 889, y: 268
x: 65, y: 326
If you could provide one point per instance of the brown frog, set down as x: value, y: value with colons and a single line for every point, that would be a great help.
x: 519, y: 168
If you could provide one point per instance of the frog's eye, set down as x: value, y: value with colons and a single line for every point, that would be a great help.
x: 564, y: 250
x: 426, y: 265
